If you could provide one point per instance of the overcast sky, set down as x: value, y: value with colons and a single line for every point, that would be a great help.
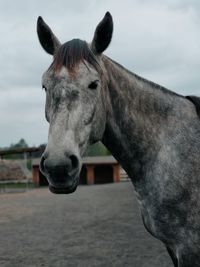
x: 159, y: 40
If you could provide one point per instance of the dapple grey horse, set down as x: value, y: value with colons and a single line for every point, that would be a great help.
x: 154, y: 134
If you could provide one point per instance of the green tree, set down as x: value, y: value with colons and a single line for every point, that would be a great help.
x: 97, y: 149
x: 21, y: 144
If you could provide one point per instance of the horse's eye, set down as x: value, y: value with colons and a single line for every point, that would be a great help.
x: 93, y: 85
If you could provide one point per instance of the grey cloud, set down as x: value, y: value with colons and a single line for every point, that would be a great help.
x: 159, y: 40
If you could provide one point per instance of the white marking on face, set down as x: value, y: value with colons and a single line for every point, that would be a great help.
x: 63, y: 73
x: 73, y: 113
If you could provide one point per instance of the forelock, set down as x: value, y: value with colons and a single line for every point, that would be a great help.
x: 71, y: 54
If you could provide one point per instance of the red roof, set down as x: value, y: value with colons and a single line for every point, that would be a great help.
x: 89, y: 160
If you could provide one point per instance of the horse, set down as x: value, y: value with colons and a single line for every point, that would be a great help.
x: 153, y: 132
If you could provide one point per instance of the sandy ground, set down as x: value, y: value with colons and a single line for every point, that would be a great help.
x: 98, y: 225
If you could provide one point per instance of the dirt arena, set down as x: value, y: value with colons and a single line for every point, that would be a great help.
x: 98, y: 225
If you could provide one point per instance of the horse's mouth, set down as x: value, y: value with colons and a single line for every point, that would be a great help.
x: 62, y: 190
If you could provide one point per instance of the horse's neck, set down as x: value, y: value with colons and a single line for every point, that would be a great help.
x: 138, y: 114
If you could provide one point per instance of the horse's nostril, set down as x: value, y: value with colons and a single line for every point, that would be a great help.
x: 42, y: 164
x: 74, y: 162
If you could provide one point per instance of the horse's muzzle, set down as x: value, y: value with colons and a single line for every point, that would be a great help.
x: 63, y: 190
x: 62, y: 174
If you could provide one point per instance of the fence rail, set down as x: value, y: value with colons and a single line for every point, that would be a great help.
x: 123, y: 175
x: 15, y: 186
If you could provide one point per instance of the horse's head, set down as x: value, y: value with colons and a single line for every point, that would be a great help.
x: 75, y: 103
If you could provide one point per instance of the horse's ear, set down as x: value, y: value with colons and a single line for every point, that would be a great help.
x: 103, y: 34
x: 46, y: 37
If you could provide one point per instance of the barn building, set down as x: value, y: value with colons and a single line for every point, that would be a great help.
x: 95, y: 170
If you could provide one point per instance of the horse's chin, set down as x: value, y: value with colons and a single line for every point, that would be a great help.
x: 62, y: 190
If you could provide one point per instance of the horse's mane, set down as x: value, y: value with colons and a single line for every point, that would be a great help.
x: 196, y: 101
x: 71, y: 53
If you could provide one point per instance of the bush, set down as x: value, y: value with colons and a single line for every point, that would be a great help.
x: 97, y: 149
